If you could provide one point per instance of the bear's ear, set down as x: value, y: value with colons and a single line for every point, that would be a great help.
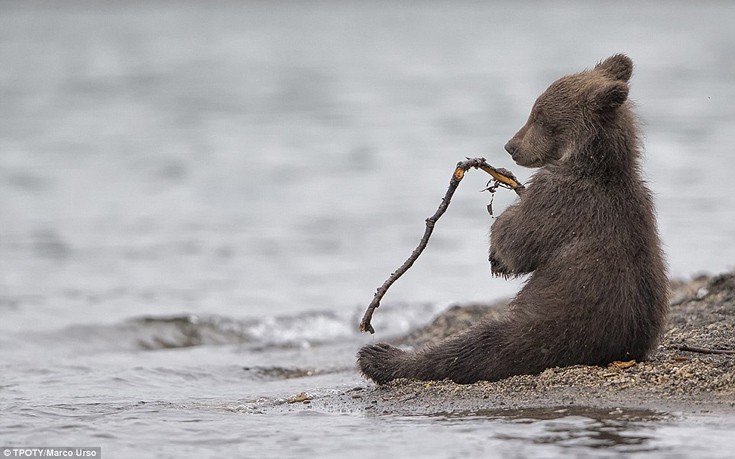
x: 609, y: 96
x: 617, y: 67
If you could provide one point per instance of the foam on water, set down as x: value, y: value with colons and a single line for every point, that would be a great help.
x: 148, y: 333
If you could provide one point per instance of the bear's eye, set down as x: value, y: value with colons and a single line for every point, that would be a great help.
x: 544, y: 123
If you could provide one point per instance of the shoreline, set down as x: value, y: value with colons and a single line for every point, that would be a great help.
x: 702, y: 314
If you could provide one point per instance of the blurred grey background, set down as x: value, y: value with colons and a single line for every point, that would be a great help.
x: 253, y: 158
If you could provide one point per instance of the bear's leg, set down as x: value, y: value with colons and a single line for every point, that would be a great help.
x: 472, y: 356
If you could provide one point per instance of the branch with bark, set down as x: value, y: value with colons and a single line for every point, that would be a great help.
x: 702, y: 350
x: 500, y: 178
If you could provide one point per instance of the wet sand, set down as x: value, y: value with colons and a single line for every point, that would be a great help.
x: 702, y: 315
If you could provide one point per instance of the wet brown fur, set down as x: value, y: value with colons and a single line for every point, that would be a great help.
x: 584, y: 230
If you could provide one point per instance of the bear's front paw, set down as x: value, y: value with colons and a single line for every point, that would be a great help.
x: 497, y: 267
x: 380, y: 362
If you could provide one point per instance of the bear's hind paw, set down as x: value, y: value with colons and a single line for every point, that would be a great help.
x: 381, y: 362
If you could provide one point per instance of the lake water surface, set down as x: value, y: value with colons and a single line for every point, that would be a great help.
x: 198, y: 199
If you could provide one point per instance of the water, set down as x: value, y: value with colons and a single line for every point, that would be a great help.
x: 198, y: 200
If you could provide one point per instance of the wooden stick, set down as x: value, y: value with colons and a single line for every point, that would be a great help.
x: 502, y: 177
x: 703, y: 350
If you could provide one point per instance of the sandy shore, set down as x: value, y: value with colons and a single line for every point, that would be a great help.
x: 702, y: 315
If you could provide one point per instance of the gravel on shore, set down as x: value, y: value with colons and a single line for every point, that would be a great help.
x: 701, y: 317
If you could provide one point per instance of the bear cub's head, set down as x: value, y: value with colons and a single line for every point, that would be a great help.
x: 571, y: 108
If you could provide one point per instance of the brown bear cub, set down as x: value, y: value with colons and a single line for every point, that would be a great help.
x: 586, y: 232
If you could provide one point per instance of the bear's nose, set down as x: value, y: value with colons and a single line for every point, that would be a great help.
x: 510, y: 148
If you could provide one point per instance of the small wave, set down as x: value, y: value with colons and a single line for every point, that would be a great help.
x: 195, y: 330
x: 188, y: 330
x: 168, y: 332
